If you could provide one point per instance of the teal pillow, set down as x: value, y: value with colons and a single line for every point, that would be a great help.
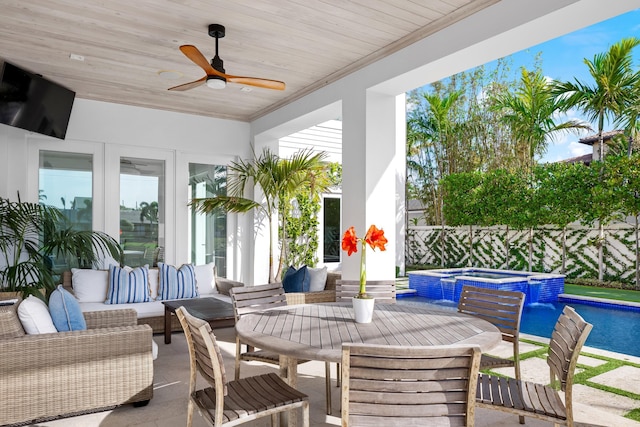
x: 65, y: 311
x: 296, y: 280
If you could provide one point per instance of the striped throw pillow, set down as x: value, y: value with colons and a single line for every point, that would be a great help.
x: 177, y: 283
x: 128, y: 285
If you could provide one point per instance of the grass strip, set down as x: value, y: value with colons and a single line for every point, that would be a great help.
x: 608, y: 293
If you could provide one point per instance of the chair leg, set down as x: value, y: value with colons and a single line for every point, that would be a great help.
x: 190, y: 413
x: 237, y: 366
x: 327, y: 376
x: 305, y: 414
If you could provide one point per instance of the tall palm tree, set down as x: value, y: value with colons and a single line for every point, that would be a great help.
x: 530, y: 112
x: 432, y: 149
x: 611, y: 90
x: 610, y: 94
x: 279, y: 180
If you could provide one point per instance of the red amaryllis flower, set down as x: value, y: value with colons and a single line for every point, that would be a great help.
x: 375, y: 238
x: 350, y: 241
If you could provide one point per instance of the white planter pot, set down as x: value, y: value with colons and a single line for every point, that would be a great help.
x: 363, y: 309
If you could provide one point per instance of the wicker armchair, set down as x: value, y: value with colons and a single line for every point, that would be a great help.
x: 60, y: 374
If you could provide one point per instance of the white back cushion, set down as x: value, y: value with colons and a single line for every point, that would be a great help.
x: 34, y: 316
x: 90, y: 285
x: 206, y: 278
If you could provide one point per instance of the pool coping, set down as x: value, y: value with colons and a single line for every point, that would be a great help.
x: 594, y: 300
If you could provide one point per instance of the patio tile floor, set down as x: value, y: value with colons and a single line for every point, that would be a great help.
x: 168, y: 407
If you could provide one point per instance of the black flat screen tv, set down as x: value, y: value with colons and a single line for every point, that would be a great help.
x: 31, y: 102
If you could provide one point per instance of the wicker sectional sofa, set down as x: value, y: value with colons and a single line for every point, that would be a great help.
x: 59, y: 374
x: 151, y: 313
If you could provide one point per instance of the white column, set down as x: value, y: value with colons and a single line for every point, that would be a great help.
x: 369, y: 152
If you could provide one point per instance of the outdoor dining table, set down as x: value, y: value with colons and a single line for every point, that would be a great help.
x: 317, y: 331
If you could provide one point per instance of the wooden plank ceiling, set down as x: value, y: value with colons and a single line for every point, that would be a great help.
x: 126, y: 43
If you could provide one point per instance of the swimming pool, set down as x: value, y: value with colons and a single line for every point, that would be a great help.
x: 614, y: 329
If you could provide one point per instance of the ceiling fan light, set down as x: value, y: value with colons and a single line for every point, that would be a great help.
x: 216, y: 82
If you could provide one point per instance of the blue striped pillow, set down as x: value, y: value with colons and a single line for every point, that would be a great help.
x: 177, y: 284
x: 128, y: 286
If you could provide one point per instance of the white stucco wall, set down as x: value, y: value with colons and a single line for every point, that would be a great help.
x: 111, y: 130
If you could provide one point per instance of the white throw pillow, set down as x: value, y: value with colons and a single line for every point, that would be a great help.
x: 318, y: 278
x: 90, y: 285
x: 34, y: 316
x: 206, y: 278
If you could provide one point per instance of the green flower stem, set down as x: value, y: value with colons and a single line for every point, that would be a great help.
x: 363, y: 271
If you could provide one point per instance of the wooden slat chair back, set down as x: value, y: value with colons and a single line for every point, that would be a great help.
x: 383, y: 291
x: 504, y: 310
x: 249, y: 299
x: 536, y: 400
x: 397, y: 386
x: 235, y: 402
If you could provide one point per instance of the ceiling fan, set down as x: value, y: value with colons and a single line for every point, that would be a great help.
x: 216, y: 77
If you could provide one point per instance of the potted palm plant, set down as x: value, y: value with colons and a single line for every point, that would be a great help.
x: 31, y: 234
x: 280, y: 180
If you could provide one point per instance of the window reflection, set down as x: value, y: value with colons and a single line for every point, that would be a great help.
x: 331, y: 229
x: 142, y: 189
x: 208, y: 233
x: 65, y: 181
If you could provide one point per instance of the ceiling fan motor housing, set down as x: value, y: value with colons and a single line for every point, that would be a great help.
x: 216, y: 30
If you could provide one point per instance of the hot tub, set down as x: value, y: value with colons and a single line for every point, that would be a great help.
x: 446, y: 284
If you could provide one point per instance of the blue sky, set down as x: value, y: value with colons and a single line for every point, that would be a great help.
x: 563, y: 59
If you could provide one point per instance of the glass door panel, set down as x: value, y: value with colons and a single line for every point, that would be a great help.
x: 142, y: 190
x: 208, y: 233
x: 65, y: 181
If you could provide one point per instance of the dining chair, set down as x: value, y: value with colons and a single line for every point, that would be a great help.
x: 235, y: 402
x: 501, y: 308
x: 383, y: 291
x: 530, y: 399
x: 249, y: 299
x: 398, y: 386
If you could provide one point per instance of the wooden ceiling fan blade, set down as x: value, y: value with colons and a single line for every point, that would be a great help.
x: 198, y: 58
x: 255, y: 81
x: 189, y: 85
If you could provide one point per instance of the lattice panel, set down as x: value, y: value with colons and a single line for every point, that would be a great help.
x: 489, y: 250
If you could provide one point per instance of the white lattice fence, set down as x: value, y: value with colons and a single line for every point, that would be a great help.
x: 450, y: 247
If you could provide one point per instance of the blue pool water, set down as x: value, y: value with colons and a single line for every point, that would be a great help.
x: 613, y: 329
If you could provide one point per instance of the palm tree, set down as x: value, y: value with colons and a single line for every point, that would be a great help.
x: 279, y: 180
x: 610, y: 94
x: 432, y: 151
x: 530, y: 113
x: 611, y: 91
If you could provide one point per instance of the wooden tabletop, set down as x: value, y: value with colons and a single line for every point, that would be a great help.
x: 317, y: 331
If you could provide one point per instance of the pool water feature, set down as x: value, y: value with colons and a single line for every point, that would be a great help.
x: 615, y: 327
x: 446, y: 284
